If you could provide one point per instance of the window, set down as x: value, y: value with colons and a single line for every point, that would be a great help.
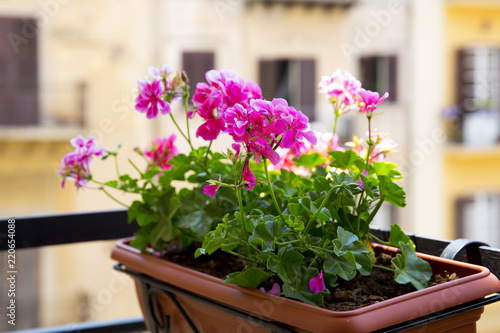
x: 379, y: 73
x: 18, y: 72
x: 478, y: 218
x: 478, y: 96
x: 196, y: 64
x: 293, y: 80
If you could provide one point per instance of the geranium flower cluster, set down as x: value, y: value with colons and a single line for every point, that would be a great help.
x: 231, y: 105
x: 344, y: 91
x: 75, y: 165
x: 161, y: 151
x: 223, y: 90
x: 381, y: 146
x: 156, y: 94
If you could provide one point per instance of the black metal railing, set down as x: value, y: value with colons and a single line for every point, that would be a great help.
x: 33, y: 232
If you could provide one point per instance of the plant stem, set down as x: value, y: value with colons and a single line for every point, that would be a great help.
x: 113, y: 198
x: 271, y: 191
x: 208, y: 150
x: 325, y: 236
x: 186, y: 107
x: 180, y: 131
x: 323, y: 203
x: 242, y: 256
x: 135, y: 167
x: 337, y: 114
x: 384, y: 268
x: 374, y: 212
x: 240, y: 200
x: 116, y: 165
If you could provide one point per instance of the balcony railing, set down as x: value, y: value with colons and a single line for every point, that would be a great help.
x: 33, y: 232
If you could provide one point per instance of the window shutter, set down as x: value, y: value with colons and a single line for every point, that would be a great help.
x: 393, y: 79
x: 18, y: 73
x: 196, y: 64
x: 308, y: 87
x: 269, y: 76
x: 461, y: 81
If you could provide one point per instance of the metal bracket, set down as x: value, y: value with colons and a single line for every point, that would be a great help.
x: 472, y: 249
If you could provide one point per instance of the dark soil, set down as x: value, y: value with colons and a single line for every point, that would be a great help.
x: 348, y: 295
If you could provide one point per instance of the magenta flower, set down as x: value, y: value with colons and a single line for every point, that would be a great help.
x: 317, y: 284
x: 370, y: 100
x: 161, y: 151
x: 341, y: 89
x: 249, y: 177
x: 225, y: 89
x: 360, y: 181
x: 213, y: 124
x: 275, y: 289
x: 150, y: 99
x: 210, y: 189
x: 75, y: 165
x: 159, y: 74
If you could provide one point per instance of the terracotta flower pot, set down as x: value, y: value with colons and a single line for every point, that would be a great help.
x: 475, y: 282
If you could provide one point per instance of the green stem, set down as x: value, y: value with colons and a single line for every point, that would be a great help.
x: 240, y: 200
x: 116, y: 165
x: 374, y: 212
x: 180, y: 131
x: 337, y: 114
x: 135, y: 167
x: 208, y: 150
x: 289, y: 242
x: 186, y: 107
x: 378, y: 240
x: 325, y: 236
x: 242, y: 256
x: 271, y: 191
x: 323, y: 203
x: 385, y: 268
x: 113, y: 198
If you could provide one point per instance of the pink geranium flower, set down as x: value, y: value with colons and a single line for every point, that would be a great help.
x: 161, y: 151
x: 341, y: 89
x: 210, y: 189
x: 249, y: 177
x: 150, y: 99
x: 317, y: 284
x: 275, y: 289
x: 75, y: 165
x: 370, y: 100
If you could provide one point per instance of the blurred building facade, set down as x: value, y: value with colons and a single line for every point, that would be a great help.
x: 70, y: 67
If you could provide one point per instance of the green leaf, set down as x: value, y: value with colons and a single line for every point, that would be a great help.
x: 392, y: 192
x: 397, y: 235
x: 351, y: 248
x: 343, y: 159
x: 299, y: 288
x: 286, y: 264
x: 310, y: 160
x: 410, y: 268
x: 387, y: 169
x: 250, y: 278
x: 339, y: 266
x: 267, y: 233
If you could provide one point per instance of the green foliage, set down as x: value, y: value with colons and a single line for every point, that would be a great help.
x: 410, y: 268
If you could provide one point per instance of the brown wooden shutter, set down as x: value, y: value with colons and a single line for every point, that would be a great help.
x: 393, y: 79
x: 196, y: 64
x: 308, y: 87
x: 18, y: 72
x: 269, y: 77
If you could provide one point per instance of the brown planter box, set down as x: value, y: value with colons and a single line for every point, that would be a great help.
x: 475, y: 282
